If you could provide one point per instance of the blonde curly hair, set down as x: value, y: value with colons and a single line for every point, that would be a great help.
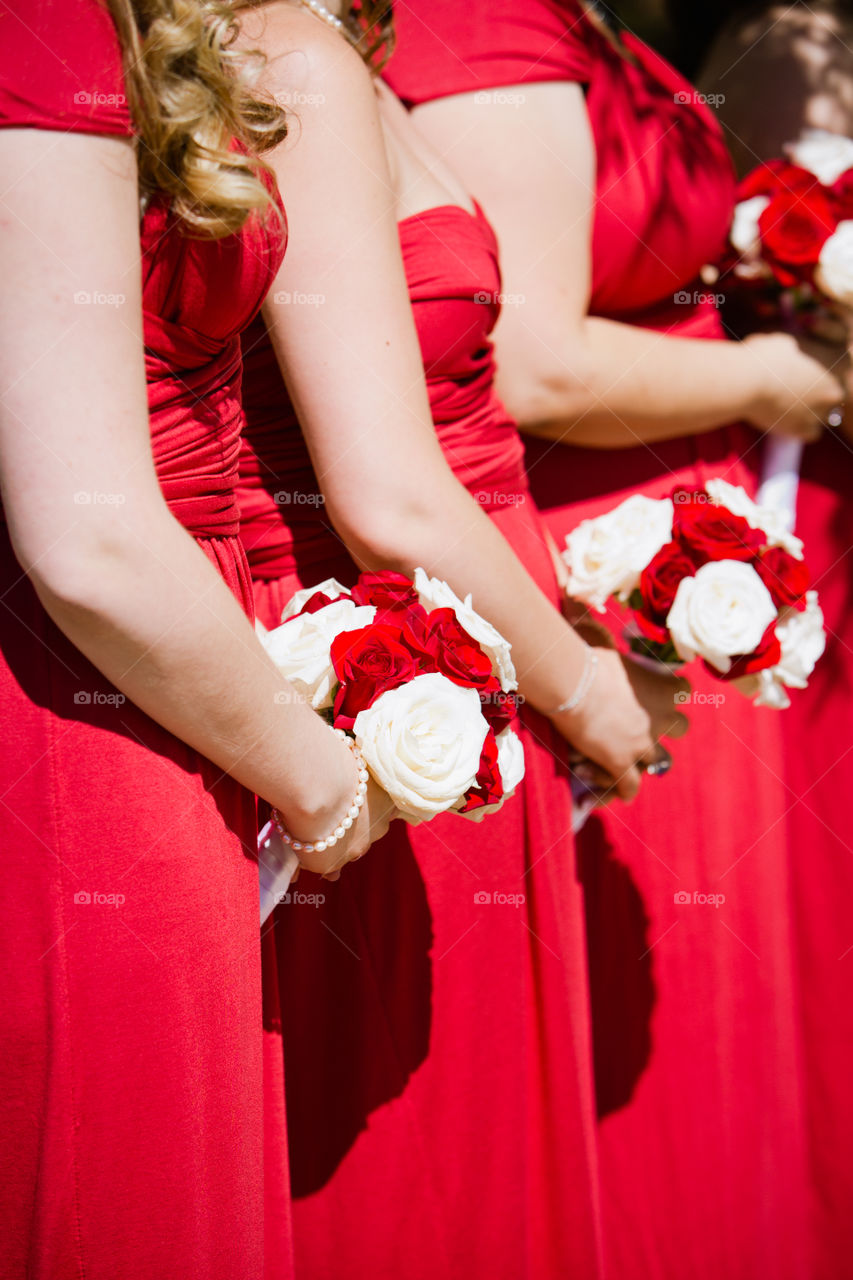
x: 190, y: 94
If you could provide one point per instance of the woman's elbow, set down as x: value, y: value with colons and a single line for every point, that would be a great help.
x: 391, y: 529
x: 560, y: 389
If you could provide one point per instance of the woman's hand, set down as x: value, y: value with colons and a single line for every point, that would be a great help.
x: 610, y: 728
x: 801, y: 383
x: 661, y: 694
x: 375, y: 817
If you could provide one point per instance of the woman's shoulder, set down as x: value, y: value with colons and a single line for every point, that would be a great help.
x: 305, y: 59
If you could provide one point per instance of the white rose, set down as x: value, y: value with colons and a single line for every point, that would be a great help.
x: 722, y: 611
x: 769, y: 521
x: 330, y: 587
x: 606, y: 556
x: 834, y: 274
x: 422, y: 743
x: 826, y: 155
x: 435, y: 594
x: 744, y: 235
x: 301, y: 647
x: 802, y: 638
x: 511, y: 767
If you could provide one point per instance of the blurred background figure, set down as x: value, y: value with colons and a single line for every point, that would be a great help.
x: 776, y: 70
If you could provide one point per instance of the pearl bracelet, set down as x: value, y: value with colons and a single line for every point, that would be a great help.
x: 584, y: 685
x: 320, y: 846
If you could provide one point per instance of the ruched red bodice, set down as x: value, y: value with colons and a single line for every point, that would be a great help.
x: 197, y: 297
x: 450, y: 258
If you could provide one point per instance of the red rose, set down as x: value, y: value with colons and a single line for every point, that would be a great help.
x: 318, y: 601
x: 794, y: 228
x: 447, y: 647
x: 367, y: 663
x: 842, y: 195
x: 659, y: 583
x: 385, y: 590
x: 766, y: 655
x: 488, y: 788
x: 708, y: 532
x: 499, y: 708
x: 775, y: 177
x: 785, y: 577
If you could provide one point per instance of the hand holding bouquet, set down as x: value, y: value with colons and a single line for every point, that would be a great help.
x: 422, y: 682
x: 705, y: 574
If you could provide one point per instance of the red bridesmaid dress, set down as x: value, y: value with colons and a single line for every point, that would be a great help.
x: 819, y: 771
x: 696, y: 1009
x: 131, y: 1071
x: 434, y: 1005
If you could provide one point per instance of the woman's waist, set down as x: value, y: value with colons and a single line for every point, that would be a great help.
x: 579, y: 482
x: 196, y: 449
x: 483, y: 447
x: 285, y: 528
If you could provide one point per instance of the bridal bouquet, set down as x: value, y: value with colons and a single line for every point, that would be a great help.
x: 705, y: 574
x: 424, y: 684
x: 792, y: 234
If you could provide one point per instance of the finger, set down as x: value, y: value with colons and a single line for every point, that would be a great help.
x: 332, y: 876
x: 628, y: 785
x: 651, y: 756
x: 674, y: 725
x: 592, y: 776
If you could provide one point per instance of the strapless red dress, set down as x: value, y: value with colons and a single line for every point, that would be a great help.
x: 696, y: 1008
x: 436, y: 1037
x: 131, y: 1068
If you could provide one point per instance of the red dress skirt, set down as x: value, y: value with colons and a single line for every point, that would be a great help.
x: 131, y: 1070
x: 434, y: 1005
x: 696, y: 1008
x: 819, y: 773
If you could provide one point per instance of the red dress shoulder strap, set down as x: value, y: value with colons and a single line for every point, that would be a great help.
x: 445, y: 48
x: 61, y: 67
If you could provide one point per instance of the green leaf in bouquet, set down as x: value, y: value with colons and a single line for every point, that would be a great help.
x: 655, y: 651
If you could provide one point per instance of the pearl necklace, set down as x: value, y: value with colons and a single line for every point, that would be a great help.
x: 332, y: 20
